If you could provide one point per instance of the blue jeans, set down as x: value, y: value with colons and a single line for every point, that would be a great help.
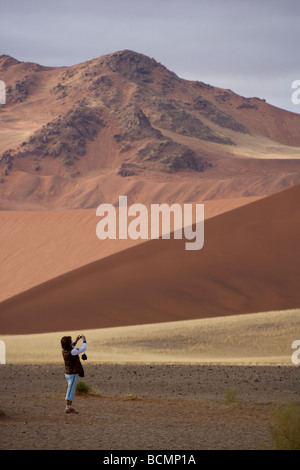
x: 72, y: 382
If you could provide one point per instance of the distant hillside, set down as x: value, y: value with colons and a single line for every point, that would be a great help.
x: 65, y: 131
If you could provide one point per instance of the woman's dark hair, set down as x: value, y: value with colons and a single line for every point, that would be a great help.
x: 66, y: 342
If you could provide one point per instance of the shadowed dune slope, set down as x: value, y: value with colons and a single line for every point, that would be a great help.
x: 37, y: 246
x: 249, y: 263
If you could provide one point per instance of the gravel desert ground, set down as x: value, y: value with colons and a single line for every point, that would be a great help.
x: 144, y: 406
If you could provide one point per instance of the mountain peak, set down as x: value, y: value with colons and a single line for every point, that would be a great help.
x: 134, y: 65
x: 7, y: 60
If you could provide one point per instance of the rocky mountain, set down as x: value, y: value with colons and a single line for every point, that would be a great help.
x: 77, y: 136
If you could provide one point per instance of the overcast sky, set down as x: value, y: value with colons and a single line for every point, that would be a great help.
x: 249, y: 46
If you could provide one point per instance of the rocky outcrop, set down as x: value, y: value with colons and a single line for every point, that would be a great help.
x: 130, y: 169
x: 65, y: 137
x: 137, y: 67
x: 185, y: 123
x: 171, y: 157
x: 7, y: 61
x: 222, y: 119
x: 101, y: 83
x: 135, y: 125
x: 7, y: 162
x: 18, y: 92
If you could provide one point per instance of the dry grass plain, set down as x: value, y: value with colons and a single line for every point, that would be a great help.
x: 250, y: 339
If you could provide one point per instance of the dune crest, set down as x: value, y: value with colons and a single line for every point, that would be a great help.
x: 249, y: 263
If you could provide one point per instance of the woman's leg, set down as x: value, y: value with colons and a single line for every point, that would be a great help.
x: 72, y: 382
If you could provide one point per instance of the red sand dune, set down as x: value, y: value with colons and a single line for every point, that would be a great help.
x: 249, y: 263
x: 37, y: 246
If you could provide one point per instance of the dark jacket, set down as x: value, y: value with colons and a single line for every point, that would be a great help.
x: 72, y: 363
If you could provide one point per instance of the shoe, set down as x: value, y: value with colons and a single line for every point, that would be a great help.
x: 71, y: 410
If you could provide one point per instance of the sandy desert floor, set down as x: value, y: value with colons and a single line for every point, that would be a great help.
x: 146, y: 394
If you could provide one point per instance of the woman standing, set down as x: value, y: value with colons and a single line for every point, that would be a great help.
x: 73, y: 367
